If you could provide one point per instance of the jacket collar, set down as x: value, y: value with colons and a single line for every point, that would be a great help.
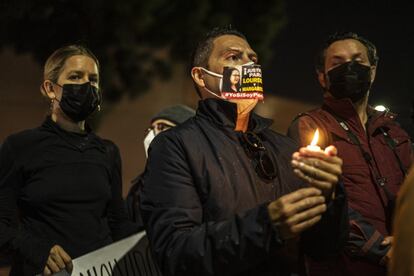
x: 344, y: 109
x: 224, y: 114
x: 49, y: 124
x: 80, y: 141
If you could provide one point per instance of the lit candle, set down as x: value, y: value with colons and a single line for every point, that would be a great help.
x: 314, y: 144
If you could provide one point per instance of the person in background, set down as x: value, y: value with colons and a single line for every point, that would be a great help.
x: 5, y: 259
x: 165, y: 119
x: 61, y: 180
x: 375, y: 150
x: 402, y: 257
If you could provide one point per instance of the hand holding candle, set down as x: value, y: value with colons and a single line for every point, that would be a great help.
x: 320, y: 168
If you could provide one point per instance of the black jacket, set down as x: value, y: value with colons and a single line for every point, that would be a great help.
x: 65, y: 188
x: 132, y: 202
x: 205, y: 207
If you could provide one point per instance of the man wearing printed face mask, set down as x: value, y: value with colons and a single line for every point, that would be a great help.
x: 165, y: 119
x: 220, y: 196
x: 376, y: 152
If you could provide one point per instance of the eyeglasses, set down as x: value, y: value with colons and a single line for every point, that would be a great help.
x: 159, y: 127
x: 255, y: 149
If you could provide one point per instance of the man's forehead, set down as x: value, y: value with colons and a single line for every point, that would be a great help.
x: 227, y: 42
x: 346, y: 46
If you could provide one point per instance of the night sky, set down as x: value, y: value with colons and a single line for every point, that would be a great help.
x: 290, y: 72
x: 388, y: 24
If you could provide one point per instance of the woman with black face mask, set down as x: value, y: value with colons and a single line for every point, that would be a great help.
x: 60, y: 184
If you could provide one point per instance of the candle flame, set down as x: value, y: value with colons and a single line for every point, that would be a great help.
x: 315, y: 138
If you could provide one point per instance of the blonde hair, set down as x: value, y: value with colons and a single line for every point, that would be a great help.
x: 56, y: 61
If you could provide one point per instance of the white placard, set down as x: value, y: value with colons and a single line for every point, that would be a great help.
x: 130, y: 256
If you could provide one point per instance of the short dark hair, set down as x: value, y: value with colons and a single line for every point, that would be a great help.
x: 202, y: 52
x: 371, y: 49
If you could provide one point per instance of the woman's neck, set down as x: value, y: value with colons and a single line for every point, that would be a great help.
x: 67, y: 124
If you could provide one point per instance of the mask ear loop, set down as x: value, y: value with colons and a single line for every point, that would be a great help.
x: 55, y: 98
x: 214, y: 94
x: 100, y: 100
x: 211, y: 73
x: 99, y: 95
x: 214, y: 75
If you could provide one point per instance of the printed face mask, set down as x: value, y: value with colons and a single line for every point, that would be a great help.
x: 350, y: 80
x: 79, y: 100
x: 147, y: 140
x: 239, y: 82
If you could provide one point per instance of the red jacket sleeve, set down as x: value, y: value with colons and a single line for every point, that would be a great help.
x: 303, y: 128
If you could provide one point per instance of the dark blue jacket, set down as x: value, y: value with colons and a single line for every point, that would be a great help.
x: 205, y: 207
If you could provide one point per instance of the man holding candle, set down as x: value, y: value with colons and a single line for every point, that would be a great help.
x: 376, y: 152
x: 219, y: 193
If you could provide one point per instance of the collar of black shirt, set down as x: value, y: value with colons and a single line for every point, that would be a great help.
x: 224, y: 114
x: 80, y: 141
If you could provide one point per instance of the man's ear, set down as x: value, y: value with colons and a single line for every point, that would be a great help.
x: 48, y: 89
x: 197, y: 75
x: 322, y: 79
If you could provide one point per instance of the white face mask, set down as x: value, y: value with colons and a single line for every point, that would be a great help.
x: 250, y: 74
x: 220, y: 85
x: 147, y: 141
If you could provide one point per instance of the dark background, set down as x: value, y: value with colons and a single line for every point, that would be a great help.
x: 138, y: 42
x: 388, y: 24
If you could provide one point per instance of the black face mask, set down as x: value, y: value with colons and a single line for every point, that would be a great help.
x: 350, y: 80
x: 79, y: 100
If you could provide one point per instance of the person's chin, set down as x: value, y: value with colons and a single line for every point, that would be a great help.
x: 244, y: 106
